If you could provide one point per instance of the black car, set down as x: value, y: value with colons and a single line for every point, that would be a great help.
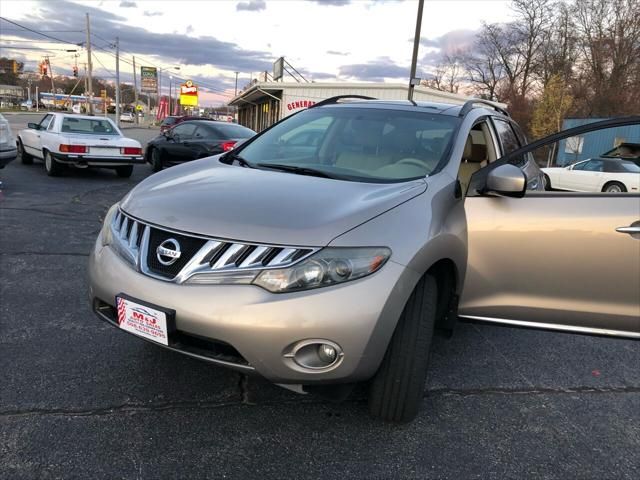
x: 194, y: 139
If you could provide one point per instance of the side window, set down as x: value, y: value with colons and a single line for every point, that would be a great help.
x: 52, y: 124
x: 185, y: 130
x: 580, y: 166
x: 594, y: 166
x: 44, y: 123
x: 205, y: 133
x: 507, y: 136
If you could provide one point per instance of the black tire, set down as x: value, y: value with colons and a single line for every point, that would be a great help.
x: 25, y: 158
x: 53, y: 168
x: 614, y: 187
x: 156, y: 160
x: 547, y: 183
x: 124, y: 171
x: 397, y: 389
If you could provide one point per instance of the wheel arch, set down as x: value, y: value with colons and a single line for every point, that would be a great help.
x: 610, y: 182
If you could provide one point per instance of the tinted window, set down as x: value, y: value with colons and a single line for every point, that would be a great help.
x: 359, y: 144
x: 232, y: 130
x: 169, y: 121
x: 621, y: 167
x: 507, y: 136
x: 184, y: 130
x: 580, y: 166
x: 594, y: 166
x: 208, y: 133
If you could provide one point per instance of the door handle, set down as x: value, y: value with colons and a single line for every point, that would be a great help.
x: 629, y: 230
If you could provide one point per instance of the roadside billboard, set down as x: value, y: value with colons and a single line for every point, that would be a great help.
x: 188, y: 94
x: 148, y: 79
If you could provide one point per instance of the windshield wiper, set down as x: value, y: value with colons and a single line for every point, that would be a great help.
x: 234, y: 156
x: 297, y: 170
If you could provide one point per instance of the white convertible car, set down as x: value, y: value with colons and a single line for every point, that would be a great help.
x: 595, y: 175
x: 78, y: 140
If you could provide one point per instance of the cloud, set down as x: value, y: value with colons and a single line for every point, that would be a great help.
x: 171, y: 47
x: 189, y: 29
x: 452, y: 41
x: 148, y: 13
x: 251, y: 6
x: 376, y: 71
x: 335, y: 52
x: 331, y: 3
x: 128, y: 4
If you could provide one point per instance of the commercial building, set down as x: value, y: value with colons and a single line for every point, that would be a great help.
x: 593, y: 144
x: 10, y: 95
x: 264, y: 103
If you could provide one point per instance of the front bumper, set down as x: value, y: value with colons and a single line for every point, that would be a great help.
x: 94, y: 161
x: 359, y: 316
x: 7, y: 156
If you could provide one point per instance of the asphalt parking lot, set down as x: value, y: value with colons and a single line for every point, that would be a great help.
x: 79, y: 399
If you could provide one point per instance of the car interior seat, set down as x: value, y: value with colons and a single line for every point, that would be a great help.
x: 360, y: 148
x: 474, y: 158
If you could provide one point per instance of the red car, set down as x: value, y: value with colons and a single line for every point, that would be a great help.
x: 172, y: 121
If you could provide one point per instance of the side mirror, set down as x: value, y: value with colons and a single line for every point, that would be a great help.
x: 33, y: 126
x: 507, y: 180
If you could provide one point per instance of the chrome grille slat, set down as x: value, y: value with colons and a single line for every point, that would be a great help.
x: 214, y: 256
x: 255, y: 258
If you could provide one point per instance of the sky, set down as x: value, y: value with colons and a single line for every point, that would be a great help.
x: 209, y: 40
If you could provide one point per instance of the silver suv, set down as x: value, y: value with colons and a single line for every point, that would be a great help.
x: 326, y: 250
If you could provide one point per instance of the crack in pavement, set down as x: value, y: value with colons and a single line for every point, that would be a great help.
x: 244, y: 401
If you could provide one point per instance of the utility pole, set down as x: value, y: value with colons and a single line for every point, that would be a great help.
x: 37, y: 98
x: 118, y: 82
x: 416, y: 43
x: 236, y: 90
x: 135, y: 91
x: 89, y: 67
x: 53, y: 87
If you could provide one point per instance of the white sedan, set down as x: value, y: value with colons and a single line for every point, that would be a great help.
x: 595, y: 175
x: 82, y: 141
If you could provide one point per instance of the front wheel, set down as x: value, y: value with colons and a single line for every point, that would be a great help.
x: 547, y: 183
x: 156, y: 160
x: 25, y: 158
x: 397, y: 389
x: 124, y: 171
x: 52, y: 167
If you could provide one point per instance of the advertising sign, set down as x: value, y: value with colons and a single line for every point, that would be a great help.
x: 188, y: 94
x: 278, y: 69
x: 148, y: 79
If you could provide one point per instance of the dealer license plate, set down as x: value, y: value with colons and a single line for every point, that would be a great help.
x: 107, y: 151
x: 143, y: 320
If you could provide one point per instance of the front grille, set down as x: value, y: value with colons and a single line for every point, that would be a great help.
x: 139, y: 242
x: 189, y: 246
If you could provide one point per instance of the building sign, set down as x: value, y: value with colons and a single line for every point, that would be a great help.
x: 148, y: 79
x: 278, y: 69
x: 188, y: 94
x: 298, y: 104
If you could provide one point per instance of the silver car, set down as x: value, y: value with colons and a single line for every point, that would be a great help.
x: 326, y: 262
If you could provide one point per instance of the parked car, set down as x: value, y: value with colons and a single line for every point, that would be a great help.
x: 595, y: 175
x: 172, y: 121
x: 8, y: 151
x: 82, y: 141
x: 194, y: 139
x: 322, y: 270
x: 625, y: 151
x: 31, y: 105
x: 127, y: 117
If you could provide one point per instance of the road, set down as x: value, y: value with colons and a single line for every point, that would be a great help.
x: 79, y: 399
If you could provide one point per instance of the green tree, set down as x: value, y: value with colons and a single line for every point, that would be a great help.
x: 552, y: 108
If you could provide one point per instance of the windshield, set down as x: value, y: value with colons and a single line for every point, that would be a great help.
x: 88, y: 126
x: 358, y: 144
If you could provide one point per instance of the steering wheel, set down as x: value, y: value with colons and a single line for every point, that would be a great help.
x: 413, y: 162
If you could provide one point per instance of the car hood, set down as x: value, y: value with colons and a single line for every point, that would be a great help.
x: 210, y: 198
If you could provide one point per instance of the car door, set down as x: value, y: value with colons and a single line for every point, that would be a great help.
x: 585, y: 176
x: 559, y: 260
x: 176, y: 146
x: 31, y: 137
x: 202, y: 142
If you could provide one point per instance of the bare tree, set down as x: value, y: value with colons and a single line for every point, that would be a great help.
x: 448, y: 74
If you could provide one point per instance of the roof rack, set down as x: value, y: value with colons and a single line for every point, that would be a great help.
x: 335, y: 99
x: 469, y: 105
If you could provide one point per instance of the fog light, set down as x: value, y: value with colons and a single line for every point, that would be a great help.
x: 327, y: 353
x: 315, y: 354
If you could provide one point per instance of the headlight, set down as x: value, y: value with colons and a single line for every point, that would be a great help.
x: 327, y: 267
x: 106, y: 234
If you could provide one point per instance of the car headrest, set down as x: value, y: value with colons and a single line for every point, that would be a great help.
x: 474, y: 152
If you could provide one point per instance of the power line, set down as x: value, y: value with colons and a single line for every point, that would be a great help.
x: 39, y: 33
x: 98, y: 60
x: 101, y: 38
x: 46, y: 49
x: 48, y: 31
